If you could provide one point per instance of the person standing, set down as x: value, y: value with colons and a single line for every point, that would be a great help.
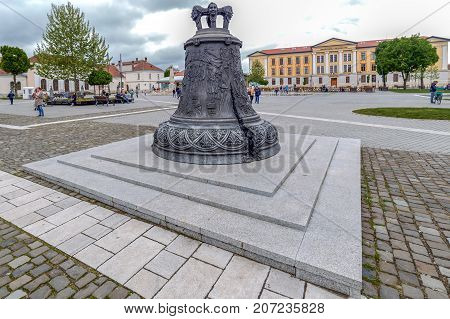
x: 11, y: 96
x: 257, y: 94
x: 38, y: 97
x: 251, y: 93
x: 173, y: 93
x: 276, y: 91
x: 433, y: 91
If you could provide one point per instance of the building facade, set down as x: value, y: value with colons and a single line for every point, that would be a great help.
x: 141, y: 75
x: 337, y: 63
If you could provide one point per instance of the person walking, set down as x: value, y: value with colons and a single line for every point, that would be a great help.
x: 257, y: 94
x: 11, y: 96
x: 38, y: 97
x: 276, y: 91
x: 173, y: 92
x: 251, y: 93
x: 433, y: 91
x: 178, y: 91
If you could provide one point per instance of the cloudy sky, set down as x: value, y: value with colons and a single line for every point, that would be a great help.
x: 157, y: 28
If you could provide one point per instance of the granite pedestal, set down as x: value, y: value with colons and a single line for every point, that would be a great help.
x: 298, y: 211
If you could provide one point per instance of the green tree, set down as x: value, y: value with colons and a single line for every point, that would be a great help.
x: 384, y: 60
x: 257, y: 73
x: 70, y: 49
x: 167, y: 73
x: 99, y: 77
x: 432, y: 73
x: 410, y: 55
x: 15, y: 61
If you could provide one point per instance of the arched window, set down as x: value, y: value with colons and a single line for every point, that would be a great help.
x: 55, y: 85
x: 86, y: 86
x: 66, y: 86
x: 44, y: 84
x: 19, y: 86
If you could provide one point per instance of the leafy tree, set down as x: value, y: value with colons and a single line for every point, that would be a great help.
x: 409, y: 55
x: 257, y: 73
x: 384, y: 60
x: 167, y: 73
x: 432, y: 73
x: 15, y: 61
x: 70, y: 49
x: 99, y: 77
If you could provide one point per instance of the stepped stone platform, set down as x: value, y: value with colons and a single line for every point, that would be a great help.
x: 298, y: 211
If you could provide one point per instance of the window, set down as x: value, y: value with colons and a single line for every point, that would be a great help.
x: 363, y: 79
x: 281, y: 81
x: 306, y: 60
x: 281, y: 71
x: 289, y: 71
x: 149, y: 76
x: 333, y: 69
x: 347, y: 79
x: 297, y: 70
x: 374, y: 78
x: 318, y: 69
x: 55, y: 85
x: 44, y: 84
x: 345, y: 68
x: 305, y: 81
x: 297, y: 60
x: 298, y: 81
x: 345, y: 57
x: 66, y: 86
x: 349, y: 68
x: 289, y: 81
x: 363, y: 56
x: 139, y: 76
x: 320, y: 80
x: 374, y: 67
x: 306, y: 70
x: 395, y: 77
x: 273, y: 82
x: 363, y: 67
x: 273, y: 72
x: 322, y: 69
x: 333, y: 57
x: 320, y: 58
x: 281, y: 61
x: 158, y: 76
x: 86, y: 85
x: 289, y: 61
x: 372, y: 56
x: 273, y: 61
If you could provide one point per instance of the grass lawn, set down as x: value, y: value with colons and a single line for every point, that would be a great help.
x: 409, y: 90
x: 426, y: 113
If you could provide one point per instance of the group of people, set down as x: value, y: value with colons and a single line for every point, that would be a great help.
x: 176, y: 92
x: 254, y: 93
x: 282, y: 89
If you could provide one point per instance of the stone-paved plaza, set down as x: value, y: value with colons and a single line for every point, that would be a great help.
x: 405, y: 208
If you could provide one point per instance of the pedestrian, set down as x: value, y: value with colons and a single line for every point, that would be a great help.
x: 281, y: 90
x: 74, y: 99
x: 433, y: 91
x: 11, y: 96
x: 137, y: 93
x: 178, y: 91
x: 173, y: 92
x: 257, y: 94
x: 38, y: 97
x: 276, y: 91
x: 286, y: 89
x: 251, y: 93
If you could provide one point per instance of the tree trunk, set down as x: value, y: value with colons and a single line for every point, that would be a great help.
x: 15, y: 85
x: 405, y: 79
x: 422, y: 86
x: 384, y: 80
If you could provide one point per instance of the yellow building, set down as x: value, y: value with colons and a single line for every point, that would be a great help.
x: 336, y: 63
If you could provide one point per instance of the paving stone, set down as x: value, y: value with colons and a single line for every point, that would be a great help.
x: 4, y: 280
x: 4, y: 270
x: 183, y: 246
x: 75, y: 244
x: 165, y: 264
x: 49, y: 210
x: 67, y: 264
x: 433, y: 283
x: 19, y: 261
x: 429, y: 231
x: 194, y: 280
x: 68, y: 230
x: 285, y: 284
x: 49, y: 254
x: 114, y: 221
x: 19, y: 282
x: 3, y: 292
x: 104, y: 290
x: 118, y: 293
x: 55, y: 272
x: 40, y: 270
x: 85, y: 280
x: 22, y: 270
x: 100, y: 280
x: 267, y: 294
x: 35, y: 244
x: 315, y: 292
x: 76, y: 272
x: 38, y: 251
x: 97, y: 231
x: 33, y: 285
x: 58, y: 259
x: 242, y: 278
x: 68, y: 202
x: 412, y: 292
x: 432, y: 294
x: 6, y: 259
x: 41, y: 293
x: 93, y: 256
x: 134, y: 296
x: 213, y: 255
x: 161, y: 235
x: 146, y: 283
x: 428, y: 269
x: 18, y: 294
x: 86, y: 292
x: 388, y: 293
x: 65, y: 293
x: 100, y: 213
x: 21, y: 251
x: 59, y: 283
x: 4, y: 252
x: 388, y: 279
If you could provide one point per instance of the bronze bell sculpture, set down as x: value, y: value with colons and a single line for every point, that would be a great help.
x: 215, y: 122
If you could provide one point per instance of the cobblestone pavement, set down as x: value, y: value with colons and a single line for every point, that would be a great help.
x: 406, y: 224
x: 29, y: 268
x: 148, y: 259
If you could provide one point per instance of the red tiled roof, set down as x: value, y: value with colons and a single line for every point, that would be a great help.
x: 369, y: 44
x: 145, y: 66
x: 112, y: 69
x: 33, y: 59
x: 179, y: 73
x: 286, y: 50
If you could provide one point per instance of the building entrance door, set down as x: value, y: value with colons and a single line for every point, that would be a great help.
x: 334, y: 82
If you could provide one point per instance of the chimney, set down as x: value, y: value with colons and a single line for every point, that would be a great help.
x: 145, y: 59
